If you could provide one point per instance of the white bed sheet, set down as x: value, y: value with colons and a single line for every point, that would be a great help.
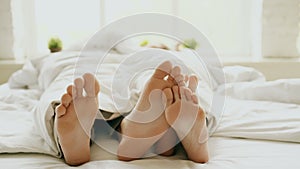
x: 238, y: 120
x: 231, y: 153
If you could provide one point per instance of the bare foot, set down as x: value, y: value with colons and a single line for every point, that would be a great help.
x: 188, y: 120
x: 146, y: 124
x: 165, y: 145
x: 75, y: 117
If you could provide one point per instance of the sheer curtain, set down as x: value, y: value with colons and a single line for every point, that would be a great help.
x: 233, y: 26
x: 69, y: 20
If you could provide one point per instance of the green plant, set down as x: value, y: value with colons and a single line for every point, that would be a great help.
x: 190, y: 43
x: 144, y: 43
x: 55, y: 45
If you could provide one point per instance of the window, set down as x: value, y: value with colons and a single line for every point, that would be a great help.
x: 70, y: 20
x: 233, y: 26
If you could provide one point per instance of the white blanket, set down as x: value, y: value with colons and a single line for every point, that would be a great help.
x: 18, y: 130
x: 253, y: 108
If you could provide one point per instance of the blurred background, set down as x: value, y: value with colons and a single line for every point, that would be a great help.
x: 239, y: 29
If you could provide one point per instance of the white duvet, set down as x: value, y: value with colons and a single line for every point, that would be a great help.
x: 253, y: 108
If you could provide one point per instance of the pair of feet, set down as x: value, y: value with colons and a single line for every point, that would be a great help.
x: 166, y: 110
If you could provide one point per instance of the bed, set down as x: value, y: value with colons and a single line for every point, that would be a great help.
x: 259, y: 126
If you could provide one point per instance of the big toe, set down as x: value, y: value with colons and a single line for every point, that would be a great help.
x: 91, y: 85
x: 163, y: 70
x: 60, y: 110
x: 175, y: 75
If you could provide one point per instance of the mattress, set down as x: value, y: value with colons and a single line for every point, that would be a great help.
x: 224, y: 153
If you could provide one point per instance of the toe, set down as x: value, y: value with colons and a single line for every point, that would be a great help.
x: 188, y: 94
x: 193, y: 83
x: 169, y: 96
x: 195, y: 99
x: 66, y: 100
x: 175, y: 71
x: 186, y: 78
x: 175, y: 90
x: 91, y: 85
x: 70, y: 90
x: 60, y: 110
x: 163, y: 70
x: 182, y: 93
x: 180, y: 80
x: 79, y: 86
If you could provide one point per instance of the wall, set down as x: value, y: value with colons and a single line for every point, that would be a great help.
x: 280, y: 28
x: 6, y: 30
x: 17, y: 29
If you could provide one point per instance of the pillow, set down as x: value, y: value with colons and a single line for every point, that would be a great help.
x: 50, y: 66
x: 242, y: 74
x: 24, y: 78
x: 105, y: 42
